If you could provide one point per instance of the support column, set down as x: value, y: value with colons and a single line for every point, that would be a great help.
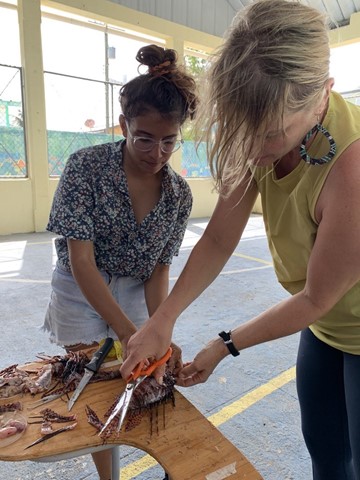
x: 177, y: 44
x: 35, y: 116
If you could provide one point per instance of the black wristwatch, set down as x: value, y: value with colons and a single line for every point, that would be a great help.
x: 226, y: 336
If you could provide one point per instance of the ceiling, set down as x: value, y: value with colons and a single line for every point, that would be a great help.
x: 214, y: 16
x: 339, y: 11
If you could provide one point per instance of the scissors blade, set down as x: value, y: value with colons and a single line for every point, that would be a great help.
x: 124, y: 400
x: 133, y: 385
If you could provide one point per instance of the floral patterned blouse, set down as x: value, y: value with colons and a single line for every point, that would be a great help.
x: 92, y: 202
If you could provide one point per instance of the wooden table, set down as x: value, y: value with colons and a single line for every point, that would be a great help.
x: 187, y: 446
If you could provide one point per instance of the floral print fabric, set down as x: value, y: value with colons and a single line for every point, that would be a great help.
x: 92, y: 202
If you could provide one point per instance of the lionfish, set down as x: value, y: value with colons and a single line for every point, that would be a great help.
x: 147, y: 397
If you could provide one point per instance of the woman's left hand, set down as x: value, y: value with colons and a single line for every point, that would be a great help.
x: 175, y: 362
x: 199, y: 370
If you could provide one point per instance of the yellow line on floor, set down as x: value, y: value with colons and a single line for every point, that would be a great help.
x: 135, y: 468
x: 247, y: 257
x: 231, y: 272
x: 252, y: 397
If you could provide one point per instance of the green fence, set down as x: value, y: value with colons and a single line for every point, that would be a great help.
x: 62, y: 144
x: 12, y: 152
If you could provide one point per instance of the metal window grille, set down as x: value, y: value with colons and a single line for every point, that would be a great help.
x: 13, y: 162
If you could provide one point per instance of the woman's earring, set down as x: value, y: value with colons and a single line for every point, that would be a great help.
x: 326, y: 158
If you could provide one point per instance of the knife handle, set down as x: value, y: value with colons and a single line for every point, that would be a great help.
x: 99, y: 355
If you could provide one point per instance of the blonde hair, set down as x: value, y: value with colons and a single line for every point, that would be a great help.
x: 274, y: 60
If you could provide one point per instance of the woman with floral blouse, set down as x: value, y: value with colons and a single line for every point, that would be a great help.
x: 121, y: 213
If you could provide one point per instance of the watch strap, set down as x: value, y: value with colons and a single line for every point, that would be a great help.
x: 226, y: 336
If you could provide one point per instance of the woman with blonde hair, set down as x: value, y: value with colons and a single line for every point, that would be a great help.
x: 275, y: 126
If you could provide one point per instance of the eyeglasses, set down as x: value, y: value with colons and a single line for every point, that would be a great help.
x: 145, y: 144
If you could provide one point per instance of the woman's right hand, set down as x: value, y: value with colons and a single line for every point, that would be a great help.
x: 149, y: 343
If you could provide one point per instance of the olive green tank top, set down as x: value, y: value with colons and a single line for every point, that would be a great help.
x: 288, y: 207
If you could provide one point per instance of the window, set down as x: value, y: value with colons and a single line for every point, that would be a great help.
x: 344, y: 67
x: 83, y: 75
x: 12, y: 142
x: 194, y: 162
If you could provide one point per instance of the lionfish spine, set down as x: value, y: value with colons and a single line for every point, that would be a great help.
x: 10, y: 407
x: 93, y: 419
x: 52, y: 416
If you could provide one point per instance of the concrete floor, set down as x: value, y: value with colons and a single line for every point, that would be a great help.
x: 259, y: 385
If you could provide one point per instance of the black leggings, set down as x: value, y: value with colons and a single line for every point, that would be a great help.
x: 328, y: 384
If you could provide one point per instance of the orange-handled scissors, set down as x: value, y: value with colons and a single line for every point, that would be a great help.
x: 136, y: 377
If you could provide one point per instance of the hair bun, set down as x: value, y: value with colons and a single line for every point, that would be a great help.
x: 159, y: 60
x: 161, y: 69
x: 166, y: 87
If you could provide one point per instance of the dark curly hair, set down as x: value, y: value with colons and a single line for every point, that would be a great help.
x: 166, y: 87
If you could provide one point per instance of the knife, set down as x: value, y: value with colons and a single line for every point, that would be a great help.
x: 90, y: 369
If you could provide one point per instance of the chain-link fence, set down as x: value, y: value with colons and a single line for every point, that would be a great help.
x: 80, y: 112
x: 12, y: 140
x: 194, y: 160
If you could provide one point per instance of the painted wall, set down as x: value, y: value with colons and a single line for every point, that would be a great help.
x: 25, y: 203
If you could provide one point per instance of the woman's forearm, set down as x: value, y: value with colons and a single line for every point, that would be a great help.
x: 212, y: 251
x: 99, y: 296
x: 206, y: 261
x: 156, y: 288
x: 197, y: 275
x: 286, y: 318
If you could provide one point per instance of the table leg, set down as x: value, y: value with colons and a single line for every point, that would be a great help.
x: 115, y: 463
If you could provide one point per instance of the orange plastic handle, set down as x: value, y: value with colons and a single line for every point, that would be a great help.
x: 141, y: 371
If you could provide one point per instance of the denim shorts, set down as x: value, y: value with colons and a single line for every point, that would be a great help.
x: 70, y: 319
